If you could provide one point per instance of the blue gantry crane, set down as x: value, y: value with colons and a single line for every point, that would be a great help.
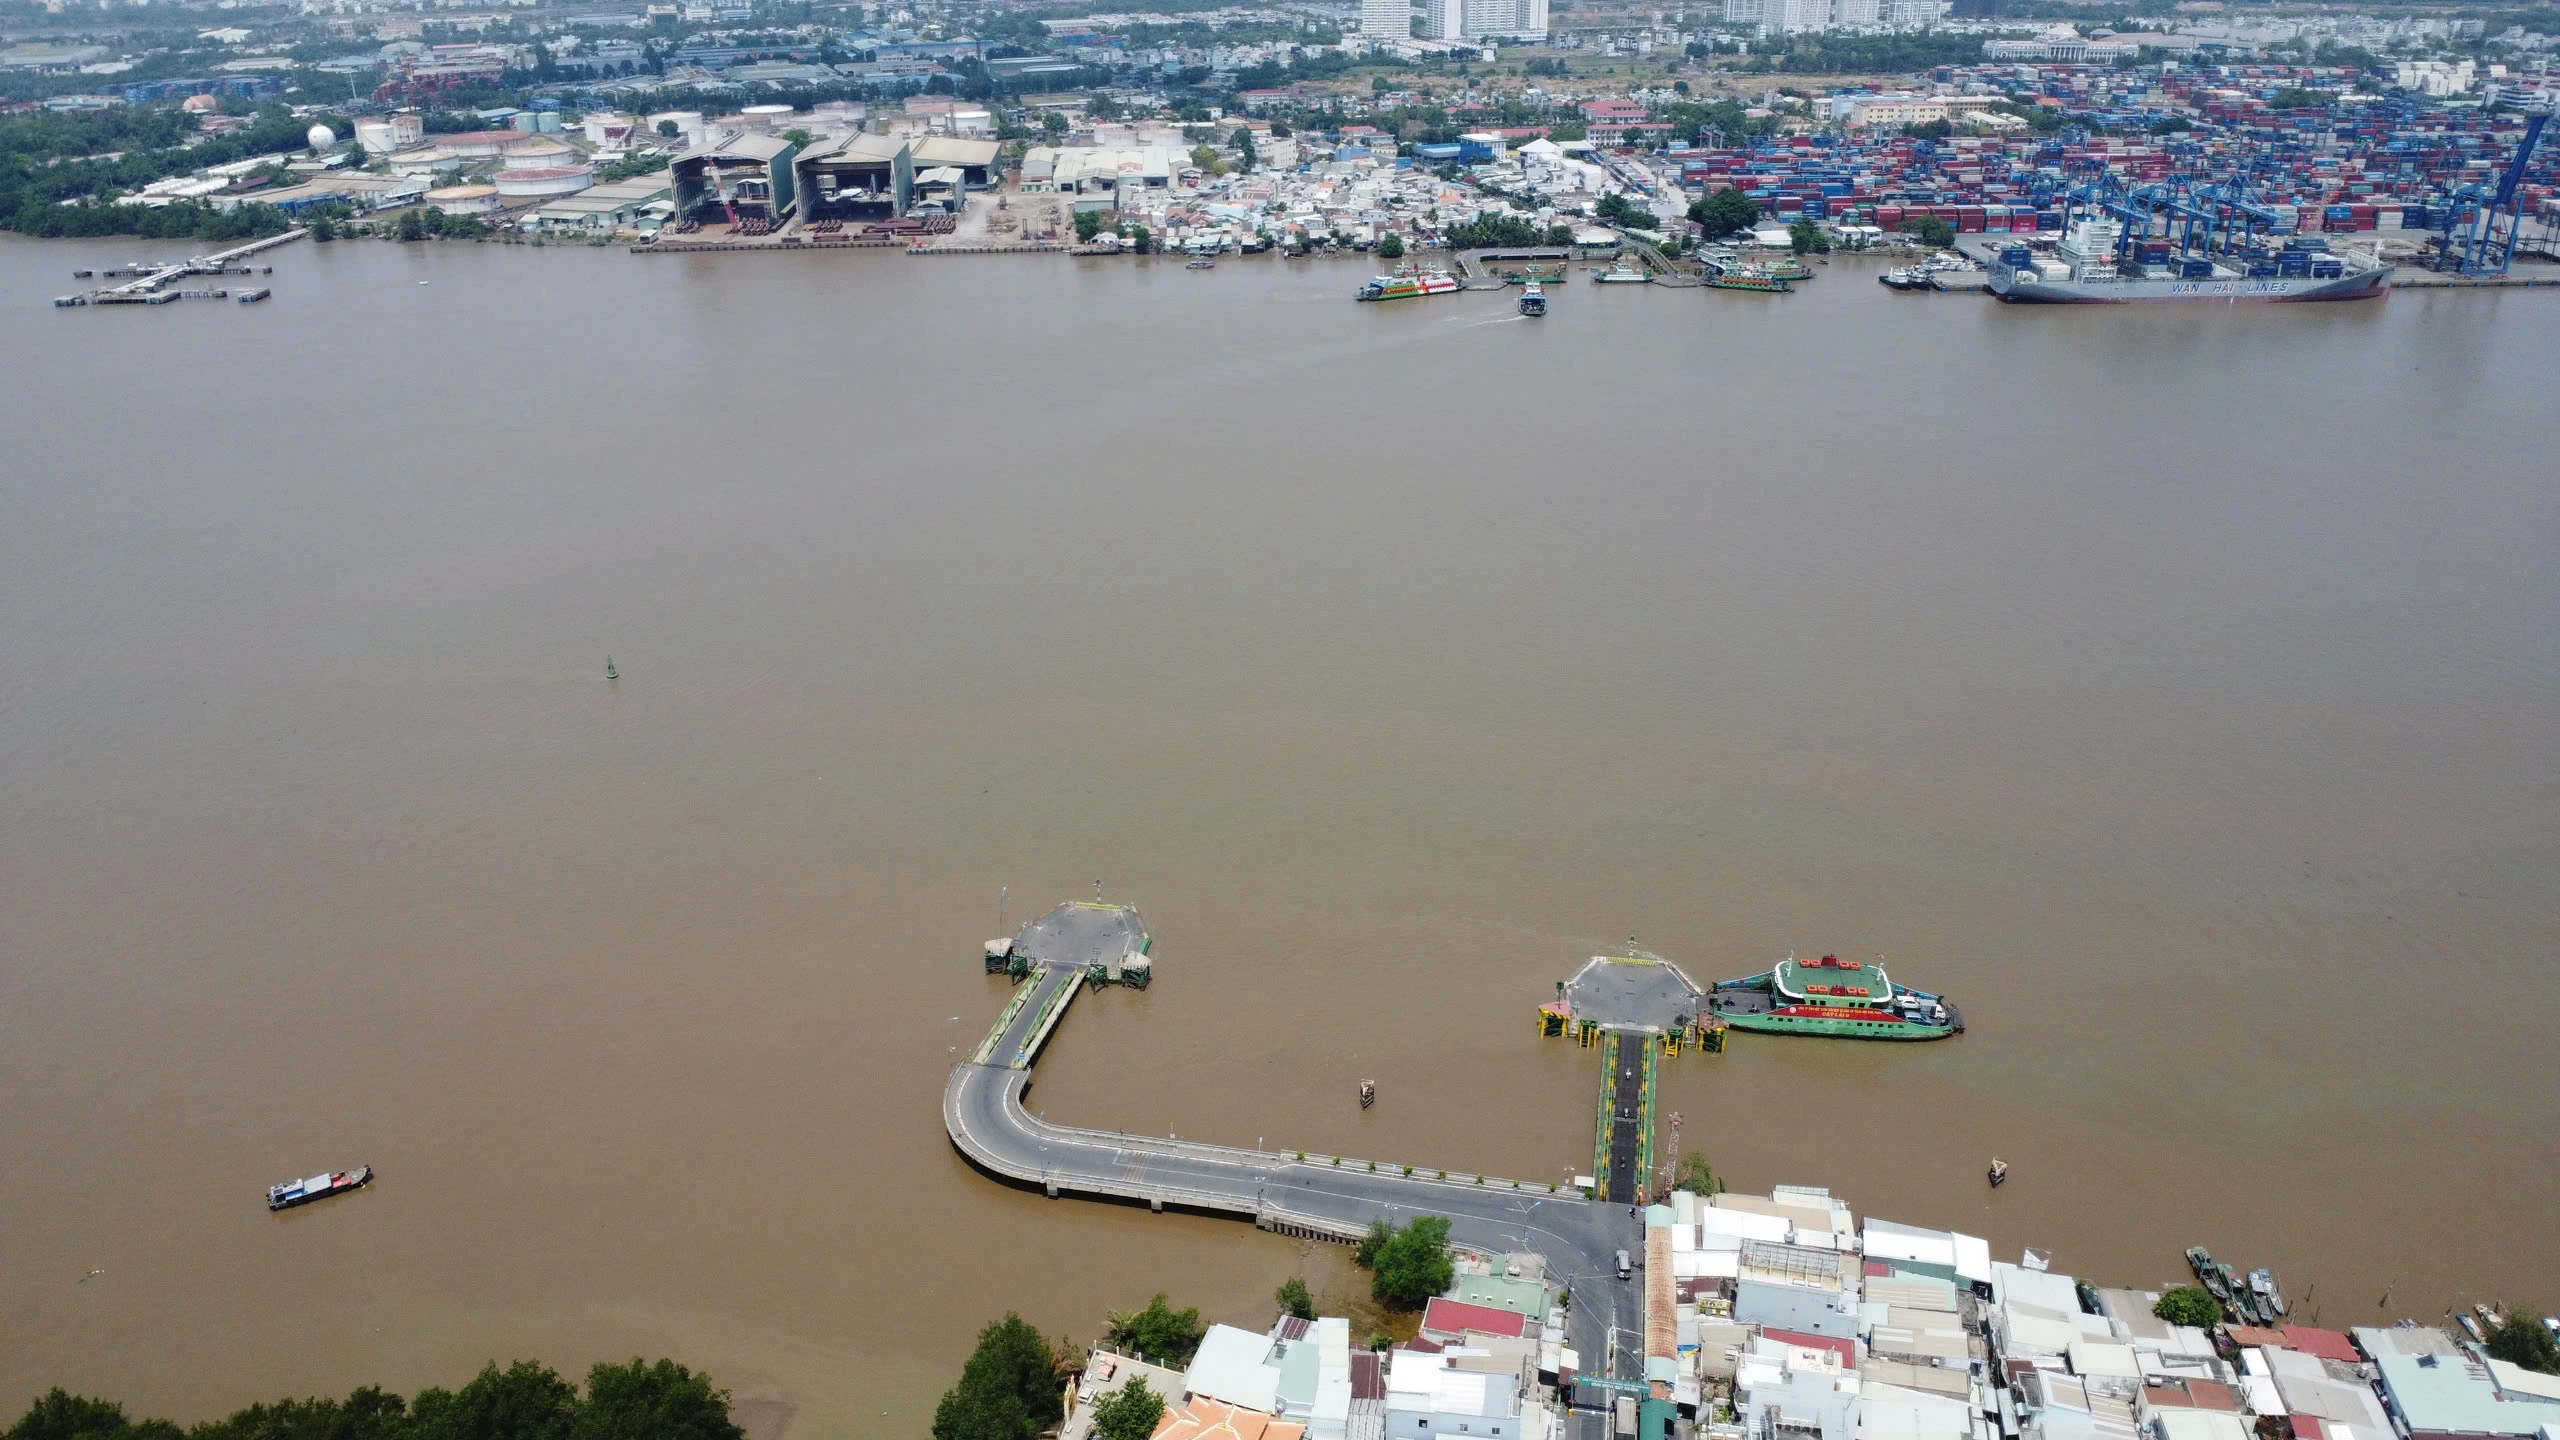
x: 2478, y: 236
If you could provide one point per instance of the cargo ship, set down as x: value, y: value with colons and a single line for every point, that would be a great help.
x: 1533, y: 300
x: 2094, y: 265
x: 1835, y: 997
x: 318, y: 1187
x: 1408, y: 284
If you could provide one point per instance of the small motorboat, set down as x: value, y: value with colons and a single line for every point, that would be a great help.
x: 318, y: 1187
x: 2471, y: 1325
x: 1200, y: 262
x: 1368, y: 1093
x: 1999, y: 1172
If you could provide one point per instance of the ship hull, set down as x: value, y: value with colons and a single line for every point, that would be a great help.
x: 1838, y: 1027
x: 2014, y: 288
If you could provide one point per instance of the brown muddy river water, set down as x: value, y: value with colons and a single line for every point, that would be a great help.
x: 2177, y: 689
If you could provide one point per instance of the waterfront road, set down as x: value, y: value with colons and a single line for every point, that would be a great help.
x: 982, y: 1107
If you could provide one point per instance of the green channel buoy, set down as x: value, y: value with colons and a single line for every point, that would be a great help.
x: 608, y: 669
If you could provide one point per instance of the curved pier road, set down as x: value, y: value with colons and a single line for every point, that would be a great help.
x: 982, y: 1108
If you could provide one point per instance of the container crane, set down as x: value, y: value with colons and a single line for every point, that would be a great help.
x: 2472, y: 241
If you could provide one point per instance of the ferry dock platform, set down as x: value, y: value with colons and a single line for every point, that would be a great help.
x: 1330, y: 1197
x: 149, y: 284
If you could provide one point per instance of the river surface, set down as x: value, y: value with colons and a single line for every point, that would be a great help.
x: 2179, y: 689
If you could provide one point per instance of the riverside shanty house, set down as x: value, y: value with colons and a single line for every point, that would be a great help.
x: 1806, y: 1326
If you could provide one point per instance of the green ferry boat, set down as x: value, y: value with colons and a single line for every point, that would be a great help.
x: 1836, y: 997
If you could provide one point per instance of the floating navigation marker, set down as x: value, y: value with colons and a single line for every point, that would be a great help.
x: 609, y: 672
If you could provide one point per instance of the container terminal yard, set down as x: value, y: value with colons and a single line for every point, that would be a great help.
x: 1622, y: 1306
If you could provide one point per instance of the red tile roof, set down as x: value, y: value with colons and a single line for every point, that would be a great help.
x: 1455, y: 1317
x: 1847, y: 1350
x: 2327, y: 1344
x: 2257, y: 1335
x: 2193, y: 1395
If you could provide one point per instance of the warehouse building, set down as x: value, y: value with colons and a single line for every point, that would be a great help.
x: 746, y: 177
x: 858, y: 177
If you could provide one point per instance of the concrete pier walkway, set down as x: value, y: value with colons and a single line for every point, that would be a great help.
x: 1323, y: 1196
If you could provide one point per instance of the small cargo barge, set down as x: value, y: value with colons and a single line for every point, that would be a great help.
x: 318, y: 1187
x: 1834, y: 997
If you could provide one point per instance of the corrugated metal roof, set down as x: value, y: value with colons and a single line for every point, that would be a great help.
x: 1230, y: 1366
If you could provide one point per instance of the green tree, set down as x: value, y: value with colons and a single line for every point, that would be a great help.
x: 798, y: 137
x: 1412, y: 1265
x: 413, y: 226
x: 1726, y: 212
x: 1618, y: 210
x: 1142, y: 240
x: 1930, y: 230
x: 60, y: 1415
x: 1131, y: 1412
x: 1242, y: 143
x: 1930, y: 130
x: 1390, y: 247
x: 1088, y: 225
x: 2301, y: 100
x: 2520, y: 1338
x: 1695, y: 1175
x: 1008, y: 1390
x: 1806, y: 238
x: 1292, y: 1294
x: 668, y: 129
x: 1365, y: 1254
x: 642, y: 1401
x: 2189, y: 1305
x: 1159, y: 1332
x: 526, y: 1401
x: 1054, y: 124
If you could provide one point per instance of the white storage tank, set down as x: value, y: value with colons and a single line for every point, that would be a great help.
x: 543, y: 182
x: 463, y: 199
x: 541, y: 152
x: 391, y: 134
x: 767, y: 119
x: 689, y: 127
x: 608, y: 130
